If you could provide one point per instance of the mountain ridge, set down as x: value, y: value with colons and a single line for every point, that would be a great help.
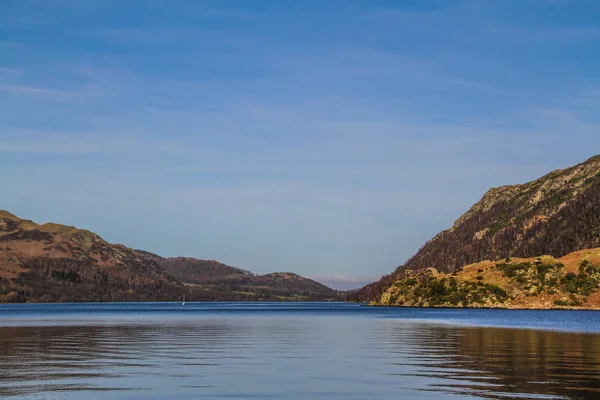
x: 53, y: 262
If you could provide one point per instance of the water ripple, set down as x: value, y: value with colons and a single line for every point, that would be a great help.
x: 297, y: 353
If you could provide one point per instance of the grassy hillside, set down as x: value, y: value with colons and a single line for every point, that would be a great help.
x: 537, y: 282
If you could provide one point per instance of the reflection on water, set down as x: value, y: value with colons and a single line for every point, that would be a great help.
x: 295, y: 356
x: 508, y: 363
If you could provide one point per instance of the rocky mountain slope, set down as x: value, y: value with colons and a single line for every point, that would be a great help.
x: 52, y: 262
x: 556, y: 214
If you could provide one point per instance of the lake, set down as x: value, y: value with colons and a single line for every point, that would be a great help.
x: 295, y: 351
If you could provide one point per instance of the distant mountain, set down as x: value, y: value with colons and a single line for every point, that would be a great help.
x: 192, y: 270
x: 556, y: 214
x: 211, y: 279
x: 52, y: 262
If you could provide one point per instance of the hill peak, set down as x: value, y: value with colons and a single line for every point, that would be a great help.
x: 6, y: 214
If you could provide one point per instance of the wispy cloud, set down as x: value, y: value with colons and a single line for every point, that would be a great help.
x: 42, y: 92
x: 10, y: 43
x: 10, y: 71
x: 52, y: 143
x: 544, y: 35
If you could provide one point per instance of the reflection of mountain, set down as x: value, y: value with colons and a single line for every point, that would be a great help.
x: 78, y: 358
x: 513, y: 363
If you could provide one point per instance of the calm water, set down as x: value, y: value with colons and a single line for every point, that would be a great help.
x: 294, y: 351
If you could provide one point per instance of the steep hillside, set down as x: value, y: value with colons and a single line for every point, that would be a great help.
x: 52, y: 262
x: 542, y: 282
x: 556, y: 214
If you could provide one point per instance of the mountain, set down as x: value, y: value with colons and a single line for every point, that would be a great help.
x: 52, y: 262
x: 556, y: 214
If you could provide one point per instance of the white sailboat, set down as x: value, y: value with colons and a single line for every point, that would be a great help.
x: 183, y: 302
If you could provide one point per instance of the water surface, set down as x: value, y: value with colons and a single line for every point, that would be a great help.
x: 294, y: 351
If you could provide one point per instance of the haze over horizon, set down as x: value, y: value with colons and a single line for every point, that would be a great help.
x: 330, y: 139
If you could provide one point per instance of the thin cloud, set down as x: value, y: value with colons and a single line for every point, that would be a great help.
x: 10, y: 43
x: 9, y: 71
x: 97, y: 144
x: 544, y: 35
x: 43, y: 92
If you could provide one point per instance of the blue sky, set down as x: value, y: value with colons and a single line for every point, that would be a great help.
x: 320, y: 137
